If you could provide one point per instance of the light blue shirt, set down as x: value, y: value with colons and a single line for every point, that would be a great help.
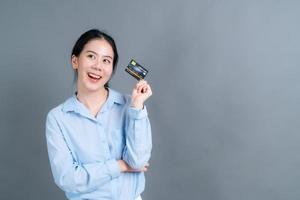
x: 83, y: 149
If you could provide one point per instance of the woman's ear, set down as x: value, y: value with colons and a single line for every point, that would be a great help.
x: 74, y: 61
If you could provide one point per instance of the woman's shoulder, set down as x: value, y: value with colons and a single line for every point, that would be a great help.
x: 65, y: 106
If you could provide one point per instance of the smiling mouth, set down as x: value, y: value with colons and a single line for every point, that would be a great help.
x: 94, y: 76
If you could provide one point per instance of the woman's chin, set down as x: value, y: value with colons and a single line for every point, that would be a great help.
x: 93, y: 87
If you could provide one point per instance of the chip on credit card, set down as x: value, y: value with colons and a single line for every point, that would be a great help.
x: 136, y: 70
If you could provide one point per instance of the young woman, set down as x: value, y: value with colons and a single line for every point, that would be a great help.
x: 99, y: 141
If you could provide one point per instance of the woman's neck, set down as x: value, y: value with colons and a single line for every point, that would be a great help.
x: 93, y: 100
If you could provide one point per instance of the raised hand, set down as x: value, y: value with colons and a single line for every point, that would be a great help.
x: 140, y: 94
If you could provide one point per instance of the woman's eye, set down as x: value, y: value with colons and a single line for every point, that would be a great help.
x: 106, y: 61
x: 91, y: 56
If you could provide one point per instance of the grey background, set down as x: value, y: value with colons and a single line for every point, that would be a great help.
x: 225, y: 76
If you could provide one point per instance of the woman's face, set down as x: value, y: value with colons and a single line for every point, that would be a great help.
x: 94, y: 65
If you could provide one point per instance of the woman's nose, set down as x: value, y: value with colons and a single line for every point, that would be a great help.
x: 97, y: 66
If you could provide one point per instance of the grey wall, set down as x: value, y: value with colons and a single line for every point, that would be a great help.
x: 225, y: 75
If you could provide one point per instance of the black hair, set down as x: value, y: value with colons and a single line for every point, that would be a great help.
x: 91, y: 35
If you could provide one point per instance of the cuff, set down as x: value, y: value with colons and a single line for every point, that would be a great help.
x: 134, y: 113
x: 113, y: 168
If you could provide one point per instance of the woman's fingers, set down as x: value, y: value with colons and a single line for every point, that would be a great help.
x: 126, y: 168
x: 144, y: 88
x: 140, y: 94
x: 143, y: 169
x: 141, y: 82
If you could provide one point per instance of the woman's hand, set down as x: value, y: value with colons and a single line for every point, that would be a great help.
x: 124, y: 167
x: 140, y: 94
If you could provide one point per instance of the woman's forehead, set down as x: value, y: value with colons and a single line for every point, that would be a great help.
x: 99, y: 46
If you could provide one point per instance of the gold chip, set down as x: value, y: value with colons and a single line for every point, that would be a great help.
x: 133, y: 62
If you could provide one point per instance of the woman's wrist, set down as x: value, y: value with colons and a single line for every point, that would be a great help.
x: 137, y: 105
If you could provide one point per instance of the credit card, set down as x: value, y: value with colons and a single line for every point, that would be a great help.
x: 136, y: 70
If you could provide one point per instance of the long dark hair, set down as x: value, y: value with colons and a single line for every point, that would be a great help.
x: 91, y: 35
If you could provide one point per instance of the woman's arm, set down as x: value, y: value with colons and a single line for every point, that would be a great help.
x: 138, y: 147
x: 68, y: 173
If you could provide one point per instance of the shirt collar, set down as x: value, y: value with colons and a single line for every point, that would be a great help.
x: 72, y: 103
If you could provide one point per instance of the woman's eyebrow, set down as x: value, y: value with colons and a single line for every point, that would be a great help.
x: 107, y: 57
x: 90, y: 51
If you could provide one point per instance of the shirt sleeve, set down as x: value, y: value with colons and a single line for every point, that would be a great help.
x: 69, y: 174
x: 138, y: 147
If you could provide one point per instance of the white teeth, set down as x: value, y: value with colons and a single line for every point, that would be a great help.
x: 94, y: 75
